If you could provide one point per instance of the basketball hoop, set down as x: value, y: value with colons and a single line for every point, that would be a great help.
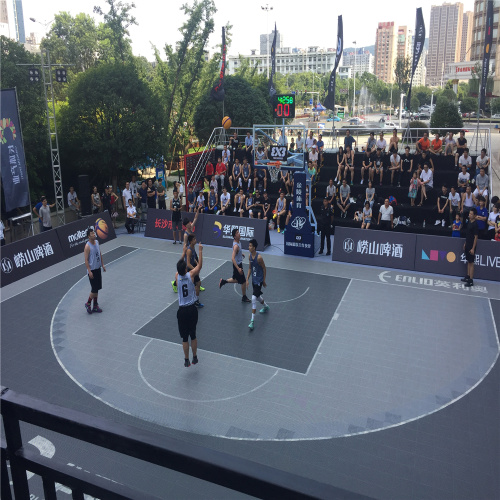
x: 274, y: 170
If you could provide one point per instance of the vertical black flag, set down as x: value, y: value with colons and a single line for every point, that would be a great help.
x: 488, y: 39
x: 14, y: 174
x: 330, y: 98
x: 418, y: 47
x: 217, y: 93
x: 272, y: 90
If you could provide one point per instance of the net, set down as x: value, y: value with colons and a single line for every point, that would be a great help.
x: 274, y: 170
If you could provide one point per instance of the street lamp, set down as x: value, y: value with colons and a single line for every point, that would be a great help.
x: 401, y: 108
x: 267, y: 8
x: 354, y: 94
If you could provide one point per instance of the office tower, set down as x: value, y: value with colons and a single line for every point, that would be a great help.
x: 404, y: 41
x: 467, y: 25
x: 385, y: 51
x: 19, y: 21
x: 263, y: 42
x: 360, y: 62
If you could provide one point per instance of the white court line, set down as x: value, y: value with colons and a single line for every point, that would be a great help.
x: 328, y: 327
x: 195, y: 400
x: 276, y: 302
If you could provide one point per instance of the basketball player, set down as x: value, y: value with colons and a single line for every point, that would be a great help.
x: 187, y: 314
x: 191, y: 259
x: 237, y: 260
x: 175, y: 206
x: 189, y: 230
x: 93, y: 263
x: 257, y: 269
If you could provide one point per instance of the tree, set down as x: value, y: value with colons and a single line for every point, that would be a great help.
x: 446, y: 118
x: 415, y: 103
x: 112, y: 121
x: 402, y: 73
x: 495, y: 106
x: 423, y: 94
x: 468, y: 105
x: 243, y: 103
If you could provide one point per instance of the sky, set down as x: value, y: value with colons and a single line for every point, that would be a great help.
x: 300, y: 24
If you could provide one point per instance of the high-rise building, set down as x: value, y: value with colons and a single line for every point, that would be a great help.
x: 445, y: 40
x: 404, y: 41
x: 360, y: 61
x: 386, y: 51
x: 19, y: 21
x: 264, y: 42
x: 4, y: 19
x: 467, y: 25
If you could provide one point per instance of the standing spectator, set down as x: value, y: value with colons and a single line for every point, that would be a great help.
x: 220, y: 172
x: 366, y: 165
x: 131, y: 216
x: 234, y: 144
x: 427, y: 183
x: 175, y: 207
x: 482, y: 183
x: 212, y: 201
x: 331, y: 190
x: 142, y: 192
x: 44, y: 212
x: 36, y: 210
x: 179, y: 186
x: 413, y: 189
x: 151, y: 195
x: 246, y: 175
x: 394, y: 141
x: 239, y: 202
x: 344, y: 199
x: 326, y: 221
x: 443, y: 206
x: 340, y: 164
x: 126, y: 194
x: 225, y: 202
x: 349, y: 163
x: 465, y: 160
x: 191, y: 199
x: 371, y: 145
x: 73, y: 201
x: 461, y: 146
x: 456, y: 226
x: 348, y: 140
x: 467, y: 203
x: 423, y: 144
x: 471, y: 235
x: 321, y: 146
x: 95, y: 200
x: 450, y: 145
x: 235, y: 179
x: 407, y: 164
x: 226, y: 155
x: 381, y: 144
x: 386, y: 216
x: 162, y: 200
x: 436, y: 145
x: 463, y: 179
x: 492, y: 219
x: 133, y: 190
x: 106, y: 199
x: 209, y: 170
x: 367, y: 216
x: 482, y: 218
x: 300, y: 143
x: 249, y: 146
x: 455, y: 200
x: 370, y: 194
x: 280, y: 209
x: 395, y: 167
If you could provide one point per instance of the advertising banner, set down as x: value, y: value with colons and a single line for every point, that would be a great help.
x: 330, y: 98
x: 218, y: 231
x: 272, y: 90
x: 217, y: 93
x: 418, y: 47
x: 30, y: 255
x: 73, y: 236
x: 374, y: 248
x: 441, y: 255
x: 159, y: 224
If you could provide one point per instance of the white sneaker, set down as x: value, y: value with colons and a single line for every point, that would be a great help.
x: 234, y: 209
x: 362, y: 181
x: 437, y: 223
x: 443, y: 223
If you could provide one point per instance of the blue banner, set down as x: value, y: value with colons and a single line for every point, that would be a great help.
x: 14, y: 175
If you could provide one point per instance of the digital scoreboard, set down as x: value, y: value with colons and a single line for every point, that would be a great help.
x: 284, y: 106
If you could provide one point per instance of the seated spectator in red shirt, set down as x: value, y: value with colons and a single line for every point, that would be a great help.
x: 220, y: 171
x: 423, y: 144
x: 436, y: 146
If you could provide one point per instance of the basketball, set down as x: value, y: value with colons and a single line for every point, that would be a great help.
x: 101, y: 229
x: 226, y: 122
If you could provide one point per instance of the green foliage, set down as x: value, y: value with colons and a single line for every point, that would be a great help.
x: 412, y: 135
x: 468, y: 105
x: 446, y: 117
x: 415, y: 103
x: 423, y: 94
x: 244, y: 104
x: 446, y: 94
x: 32, y: 113
x: 402, y: 73
x: 495, y: 106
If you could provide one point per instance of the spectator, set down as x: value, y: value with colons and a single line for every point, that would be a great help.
x: 465, y: 160
x: 209, y: 169
x: 260, y: 179
x: 427, y: 183
x: 443, y: 206
x: 310, y: 141
x: 106, y: 198
x: 226, y: 155
x: 366, y: 165
x: 482, y: 183
x: 235, y: 179
x: 311, y: 170
x: 436, y: 145
x: 471, y: 234
x: 280, y: 211
x: 497, y: 228
x: 467, y: 203
x: 394, y: 141
x: 300, y: 143
x: 370, y: 194
x: 381, y: 144
x: 266, y: 205
x: 456, y: 226
x: 413, y: 189
x: 291, y: 148
x: 423, y: 159
x: 313, y: 154
x: 246, y: 175
x: 461, y: 146
x: 492, y: 220
x: 395, y: 168
x: 95, y: 198
x: 151, y: 194
x: 44, y: 212
x: 261, y: 154
x: 225, y: 202
x: 482, y: 161
x: 455, y: 199
x: 367, y: 216
x: 289, y: 214
x: 249, y: 205
x: 212, y: 201
x: 349, y: 140
x: 73, y: 201
x: 321, y: 146
x: 423, y: 144
x: 340, y: 164
x: 386, y: 216
x: 258, y: 205
x: 126, y: 195
x: 406, y: 164
x: 200, y: 202
x: 325, y: 225
x: 344, y: 199
x: 191, y: 199
x: 36, y: 210
x: 213, y: 184
x: 131, y: 216
x: 283, y: 140
x: 220, y: 172
x: 234, y: 143
x: 463, y: 179
x: 133, y: 191
x: 162, y: 200
x: 249, y: 146
x: 330, y: 191
x: 371, y: 145
x: 378, y: 165
x: 482, y: 218
x: 2, y: 236
x: 239, y: 202
x: 142, y: 192
x: 450, y: 145
x: 349, y: 163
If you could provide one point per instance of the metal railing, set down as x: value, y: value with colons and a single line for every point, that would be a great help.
x: 216, y: 467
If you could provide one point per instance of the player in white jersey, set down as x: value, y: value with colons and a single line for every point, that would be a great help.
x: 187, y: 314
x: 93, y: 263
x: 238, y: 273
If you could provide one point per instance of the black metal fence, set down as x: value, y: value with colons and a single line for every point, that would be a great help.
x: 215, y: 467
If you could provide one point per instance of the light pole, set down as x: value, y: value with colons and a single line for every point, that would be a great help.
x: 401, y: 108
x: 267, y: 8
x: 354, y: 93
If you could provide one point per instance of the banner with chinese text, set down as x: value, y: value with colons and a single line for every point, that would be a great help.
x: 159, y: 224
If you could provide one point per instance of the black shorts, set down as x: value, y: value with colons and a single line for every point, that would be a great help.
x: 468, y: 256
x: 176, y: 225
x: 240, y: 278
x: 96, y: 281
x: 257, y: 289
x: 187, y: 319
x: 196, y: 279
